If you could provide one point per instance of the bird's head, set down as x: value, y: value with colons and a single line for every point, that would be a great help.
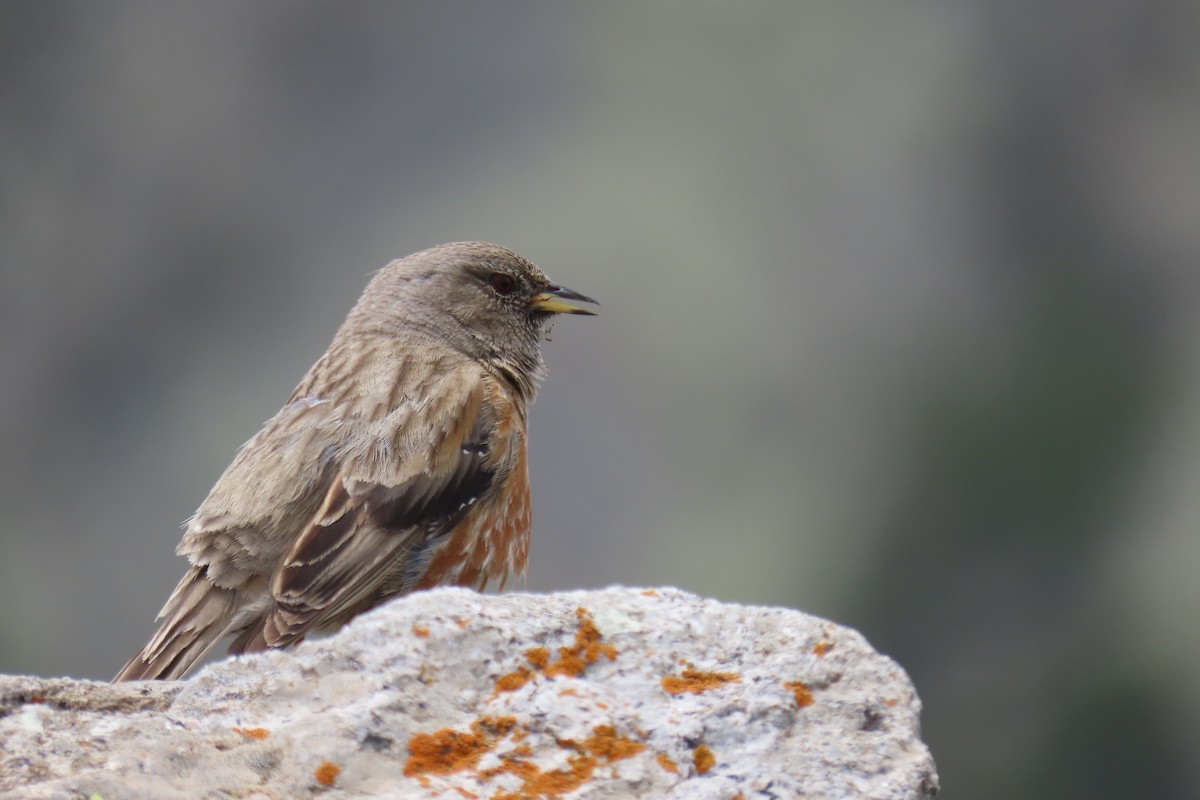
x: 482, y: 299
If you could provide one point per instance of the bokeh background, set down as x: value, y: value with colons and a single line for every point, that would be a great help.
x: 901, y: 318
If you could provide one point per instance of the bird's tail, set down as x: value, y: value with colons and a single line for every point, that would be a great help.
x: 194, y: 619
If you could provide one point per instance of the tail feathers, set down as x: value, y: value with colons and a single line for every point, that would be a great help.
x: 196, y: 617
x: 276, y: 627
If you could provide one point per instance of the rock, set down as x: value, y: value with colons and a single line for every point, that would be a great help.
x: 609, y: 694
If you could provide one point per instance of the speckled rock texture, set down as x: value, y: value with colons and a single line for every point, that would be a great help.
x: 622, y: 693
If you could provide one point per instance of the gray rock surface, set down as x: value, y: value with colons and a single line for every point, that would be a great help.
x: 608, y: 694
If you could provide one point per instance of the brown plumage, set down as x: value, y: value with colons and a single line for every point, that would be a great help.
x: 397, y: 464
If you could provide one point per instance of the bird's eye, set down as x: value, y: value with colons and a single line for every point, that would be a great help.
x: 503, y: 283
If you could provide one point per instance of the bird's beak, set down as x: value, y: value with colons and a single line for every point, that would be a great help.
x: 557, y: 300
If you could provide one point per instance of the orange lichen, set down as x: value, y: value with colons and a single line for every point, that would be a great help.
x: 587, y: 649
x: 420, y: 631
x: 511, y: 681
x: 462, y: 623
x: 466, y: 794
x: 703, y: 759
x: 666, y: 763
x: 539, y: 657
x: 494, y: 726
x: 327, y: 773
x: 649, y: 593
x: 536, y: 784
x: 605, y: 743
x: 572, y: 661
x: 447, y: 751
x: 253, y: 733
x: 803, y: 695
x: 695, y: 681
x: 821, y: 648
x: 443, y: 752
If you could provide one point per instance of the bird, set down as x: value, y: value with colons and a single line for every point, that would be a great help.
x: 397, y: 464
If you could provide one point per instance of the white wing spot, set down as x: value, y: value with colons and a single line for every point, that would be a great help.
x: 307, y: 402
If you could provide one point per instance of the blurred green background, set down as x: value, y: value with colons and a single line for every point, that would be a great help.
x: 901, y: 318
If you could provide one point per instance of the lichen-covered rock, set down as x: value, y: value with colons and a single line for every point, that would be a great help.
x: 621, y: 693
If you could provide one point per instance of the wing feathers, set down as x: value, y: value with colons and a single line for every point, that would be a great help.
x: 368, y: 531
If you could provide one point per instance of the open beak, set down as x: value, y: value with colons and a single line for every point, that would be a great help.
x: 558, y: 300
